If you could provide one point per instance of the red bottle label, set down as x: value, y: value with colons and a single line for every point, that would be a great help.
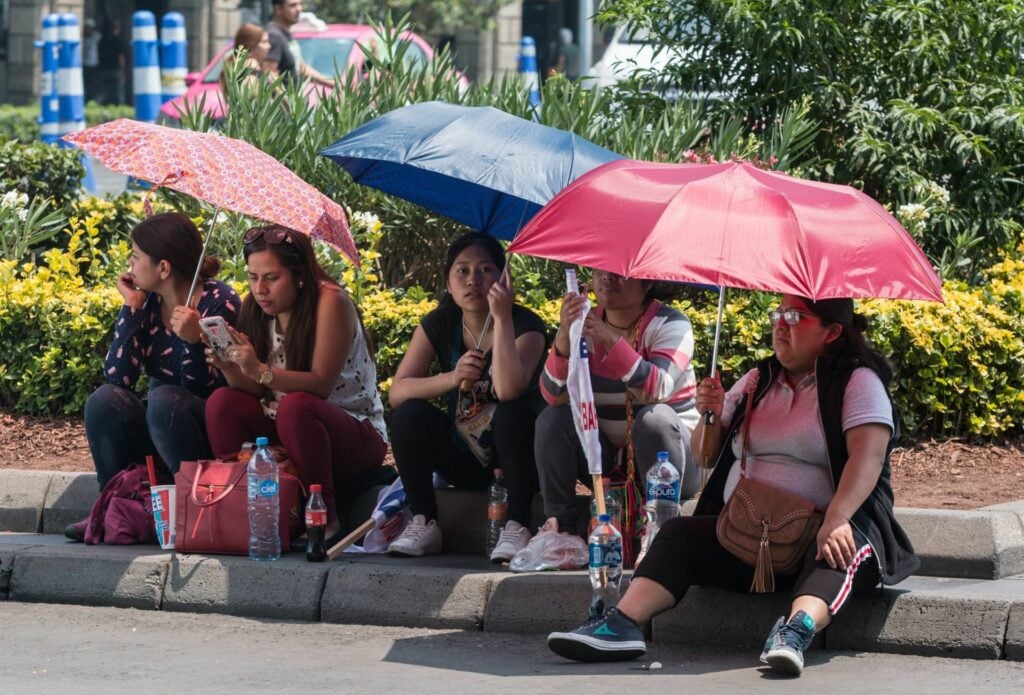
x: 497, y: 511
x: 316, y: 517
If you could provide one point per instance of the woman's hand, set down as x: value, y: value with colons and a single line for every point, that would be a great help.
x: 185, y: 324
x: 133, y: 297
x: 710, y: 396
x: 243, y: 354
x: 835, y: 542
x: 470, y: 366
x: 501, y: 297
x: 572, y: 308
x: 599, y: 331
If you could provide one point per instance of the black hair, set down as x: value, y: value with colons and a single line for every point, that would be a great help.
x: 490, y: 245
x: 172, y: 237
x: 851, y: 342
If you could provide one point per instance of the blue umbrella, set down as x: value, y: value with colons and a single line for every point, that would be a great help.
x: 480, y: 166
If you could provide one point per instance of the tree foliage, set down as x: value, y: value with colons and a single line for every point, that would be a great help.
x: 921, y: 102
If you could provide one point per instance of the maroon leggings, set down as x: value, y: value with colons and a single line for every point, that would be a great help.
x: 327, y: 445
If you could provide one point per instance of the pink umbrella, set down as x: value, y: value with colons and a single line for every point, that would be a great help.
x: 731, y: 225
x: 223, y: 171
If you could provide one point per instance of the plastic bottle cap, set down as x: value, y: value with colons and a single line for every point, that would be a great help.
x: 261, y: 441
x: 315, y: 488
x: 498, y: 473
x: 663, y: 455
x: 604, y: 518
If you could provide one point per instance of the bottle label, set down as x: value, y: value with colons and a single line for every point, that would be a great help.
x: 606, y: 554
x: 497, y: 511
x: 663, y: 491
x: 268, y: 488
x: 316, y: 517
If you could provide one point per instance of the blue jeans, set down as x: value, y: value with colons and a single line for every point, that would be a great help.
x: 122, y: 429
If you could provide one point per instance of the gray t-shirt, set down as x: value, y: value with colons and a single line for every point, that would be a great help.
x: 787, y: 443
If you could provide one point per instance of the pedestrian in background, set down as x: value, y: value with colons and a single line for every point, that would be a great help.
x: 90, y: 57
x: 567, y: 56
x: 285, y: 52
x: 113, y: 65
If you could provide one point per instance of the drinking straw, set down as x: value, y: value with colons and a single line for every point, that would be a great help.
x: 152, y: 470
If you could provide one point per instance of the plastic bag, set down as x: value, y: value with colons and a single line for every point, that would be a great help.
x: 551, y: 551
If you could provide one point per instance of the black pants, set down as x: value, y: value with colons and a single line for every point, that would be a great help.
x: 686, y: 552
x: 423, y: 440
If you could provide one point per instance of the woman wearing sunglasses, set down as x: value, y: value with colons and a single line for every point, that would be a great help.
x: 821, y: 426
x: 301, y: 372
x: 158, y: 335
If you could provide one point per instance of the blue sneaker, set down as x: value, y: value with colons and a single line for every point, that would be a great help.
x: 770, y: 642
x: 610, y: 637
x: 785, y: 649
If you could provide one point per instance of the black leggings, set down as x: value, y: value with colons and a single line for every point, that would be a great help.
x: 686, y: 552
x: 423, y: 440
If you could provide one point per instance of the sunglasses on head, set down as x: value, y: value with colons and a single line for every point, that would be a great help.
x: 272, y: 235
x: 790, y: 316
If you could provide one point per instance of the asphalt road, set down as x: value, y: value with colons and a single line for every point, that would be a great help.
x: 76, y: 649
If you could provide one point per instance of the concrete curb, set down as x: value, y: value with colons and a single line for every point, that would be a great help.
x: 981, y: 544
x: 978, y: 619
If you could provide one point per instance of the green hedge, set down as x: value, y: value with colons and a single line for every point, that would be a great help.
x: 960, y: 366
x: 19, y: 122
x: 43, y: 171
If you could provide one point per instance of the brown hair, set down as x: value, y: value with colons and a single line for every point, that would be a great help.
x: 172, y: 237
x: 851, y: 342
x: 295, y: 252
x: 249, y: 35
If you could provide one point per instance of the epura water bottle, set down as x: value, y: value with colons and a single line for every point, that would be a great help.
x: 662, y: 496
x: 497, y: 509
x: 605, y: 566
x: 264, y: 507
x: 316, y: 524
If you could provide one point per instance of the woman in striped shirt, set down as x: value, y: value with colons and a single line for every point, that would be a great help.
x: 640, y: 354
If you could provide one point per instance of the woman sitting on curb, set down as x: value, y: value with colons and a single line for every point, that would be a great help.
x: 822, y: 428
x: 639, y: 349
x: 157, y: 334
x: 488, y: 350
x: 301, y: 373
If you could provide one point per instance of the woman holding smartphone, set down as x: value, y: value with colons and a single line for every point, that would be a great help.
x: 158, y: 335
x: 300, y: 372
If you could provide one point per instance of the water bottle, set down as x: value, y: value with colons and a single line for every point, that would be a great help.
x: 605, y: 566
x: 316, y: 522
x: 497, y: 509
x: 662, y: 496
x: 612, y: 507
x: 264, y: 507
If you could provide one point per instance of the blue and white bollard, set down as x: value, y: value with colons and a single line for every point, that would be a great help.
x: 528, y: 69
x: 49, y: 104
x: 173, y: 55
x: 146, y: 66
x: 70, y: 89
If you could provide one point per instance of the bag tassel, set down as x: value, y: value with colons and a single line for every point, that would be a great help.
x: 764, y: 575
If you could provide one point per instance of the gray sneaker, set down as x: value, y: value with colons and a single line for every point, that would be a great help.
x: 785, y: 649
x: 610, y: 637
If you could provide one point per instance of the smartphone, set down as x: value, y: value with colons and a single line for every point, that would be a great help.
x: 216, y: 329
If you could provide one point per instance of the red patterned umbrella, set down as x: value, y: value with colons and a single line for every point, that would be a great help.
x: 223, y: 171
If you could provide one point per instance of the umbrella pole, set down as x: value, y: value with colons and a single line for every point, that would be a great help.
x: 202, y: 256
x: 707, y: 441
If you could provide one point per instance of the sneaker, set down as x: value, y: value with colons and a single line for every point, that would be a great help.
x: 513, y: 538
x: 785, y: 650
x: 420, y: 537
x: 610, y: 637
x: 76, y: 531
x: 768, y: 643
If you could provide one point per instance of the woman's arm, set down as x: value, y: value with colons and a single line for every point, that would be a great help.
x: 513, y: 360
x: 866, y: 445
x: 411, y: 380
x: 661, y: 375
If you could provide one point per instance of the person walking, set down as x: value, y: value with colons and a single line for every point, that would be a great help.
x: 113, y: 65
x: 285, y: 52
x: 90, y: 57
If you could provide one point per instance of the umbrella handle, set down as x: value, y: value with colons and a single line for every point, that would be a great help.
x: 708, y: 440
x: 202, y: 256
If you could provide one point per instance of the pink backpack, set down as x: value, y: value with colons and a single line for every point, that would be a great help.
x: 123, y: 514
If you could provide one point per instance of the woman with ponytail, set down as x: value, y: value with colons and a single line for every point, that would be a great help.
x: 157, y: 334
x: 820, y: 425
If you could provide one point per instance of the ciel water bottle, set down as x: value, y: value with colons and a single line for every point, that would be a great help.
x: 264, y: 507
x: 605, y: 566
x: 497, y: 509
x: 662, y: 497
x: 316, y: 523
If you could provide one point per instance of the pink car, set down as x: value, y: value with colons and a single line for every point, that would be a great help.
x: 335, y: 44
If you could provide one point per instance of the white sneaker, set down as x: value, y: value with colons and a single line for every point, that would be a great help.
x: 513, y: 538
x: 419, y: 538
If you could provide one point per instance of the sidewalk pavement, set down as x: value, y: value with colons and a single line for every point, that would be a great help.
x: 967, y: 601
